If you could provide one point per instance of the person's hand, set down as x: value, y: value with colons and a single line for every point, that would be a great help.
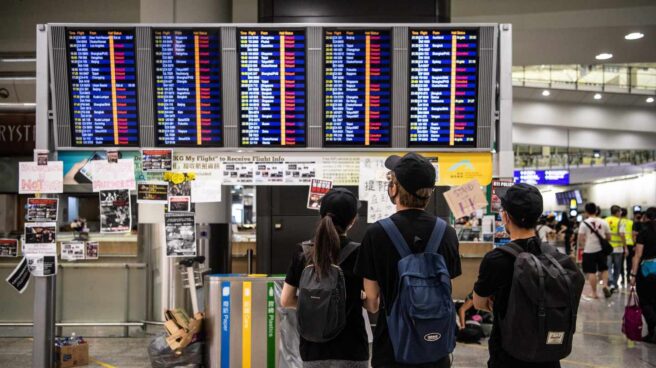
x: 632, y: 280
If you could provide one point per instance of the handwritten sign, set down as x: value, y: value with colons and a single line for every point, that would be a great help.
x: 465, y: 199
x: 113, y: 175
x: 373, y: 188
x: 34, y: 178
x: 205, y: 190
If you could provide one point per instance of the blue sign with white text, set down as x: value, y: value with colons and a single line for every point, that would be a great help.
x: 542, y: 177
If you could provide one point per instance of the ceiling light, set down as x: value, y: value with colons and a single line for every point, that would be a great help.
x: 597, y: 96
x: 604, y: 56
x: 650, y: 99
x: 634, y: 36
x: 546, y: 93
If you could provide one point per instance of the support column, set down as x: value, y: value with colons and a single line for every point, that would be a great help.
x: 505, y: 161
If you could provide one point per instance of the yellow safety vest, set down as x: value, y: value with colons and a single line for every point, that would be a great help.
x: 628, y: 232
x: 614, y: 225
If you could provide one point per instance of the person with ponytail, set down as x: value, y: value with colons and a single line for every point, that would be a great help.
x: 643, y: 272
x: 350, y: 348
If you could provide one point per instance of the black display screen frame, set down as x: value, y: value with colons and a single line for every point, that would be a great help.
x: 469, y: 145
x: 69, y: 78
x: 323, y: 89
x: 218, y: 32
x: 305, y: 88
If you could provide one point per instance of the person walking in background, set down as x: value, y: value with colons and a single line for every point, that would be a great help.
x: 411, y: 184
x: 594, y: 260
x: 349, y: 348
x: 643, y: 272
x: 617, y: 240
x: 626, y: 228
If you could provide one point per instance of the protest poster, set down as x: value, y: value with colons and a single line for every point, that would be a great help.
x: 156, y: 160
x: 38, y: 233
x: 499, y: 188
x: 91, y: 250
x: 318, y: 189
x: 19, y: 278
x: 465, y: 199
x: 34, y: 178
x: 8, y: 247
x: 152, y: 192
x: 180, y: 231
x: 112, y: 175
x: 41, y: 157
x: 72, y: 250
x: 42, y: 265
x: 42, y: 209
x: 179, y: 204
x: 115, y: 211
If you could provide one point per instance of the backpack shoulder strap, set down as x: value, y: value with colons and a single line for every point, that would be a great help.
x: 395, y: 236
x: 435, y: 239
x: 512, y: 249
x: 347, y: 251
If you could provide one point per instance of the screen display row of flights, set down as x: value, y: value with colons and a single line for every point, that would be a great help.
x: 357, y: 87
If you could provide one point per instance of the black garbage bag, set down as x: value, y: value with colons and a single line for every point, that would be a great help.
x: 161, y: 356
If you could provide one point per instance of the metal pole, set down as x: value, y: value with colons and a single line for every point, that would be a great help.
x: 44, y: 287
x: 504, y: 135
x: 249, y: 261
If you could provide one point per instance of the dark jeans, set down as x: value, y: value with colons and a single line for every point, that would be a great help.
x: 646, y: 288
x: 629, y: 262
x: 615, y: 261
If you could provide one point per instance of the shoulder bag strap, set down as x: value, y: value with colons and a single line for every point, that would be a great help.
x: 512, y: 249
x: 396, y: 237
x: 593, y: 230
x: 435, y: 239
x: 347, y: 251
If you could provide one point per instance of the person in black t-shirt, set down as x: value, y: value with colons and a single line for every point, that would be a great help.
x: 646, y: 286
x: 521, y: 209
x: 412, y: 180
x: 350, y: 349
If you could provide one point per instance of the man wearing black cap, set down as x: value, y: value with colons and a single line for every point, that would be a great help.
x: 521, y: 209
x: 411, y: 184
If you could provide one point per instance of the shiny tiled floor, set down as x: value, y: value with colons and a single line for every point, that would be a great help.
x: 598, y: 343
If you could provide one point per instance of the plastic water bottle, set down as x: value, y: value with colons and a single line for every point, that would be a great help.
x: 73, y: 339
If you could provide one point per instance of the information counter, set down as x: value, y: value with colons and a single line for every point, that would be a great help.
x: 471, y: 255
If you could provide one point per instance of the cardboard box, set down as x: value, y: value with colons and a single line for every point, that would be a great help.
x: 72, y: 355
x: 182, y: 329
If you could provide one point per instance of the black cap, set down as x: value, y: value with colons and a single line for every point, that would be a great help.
x: 524, y: 204
x: 413, y: 171
x: 341, y: 204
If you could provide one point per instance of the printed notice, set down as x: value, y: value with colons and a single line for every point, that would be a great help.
x: 156, y: 160
x: 179, y: 204
x: 152, y: 192
x: 42, y: 265
x: 91, y: 250
x: 341, y: 170
x: 20, y: 276
x: 269, y: 173
x: 318, y: 189
x: 238, y: 173
x: 34, y: 178
x: 8, y: 247
x: 115, y: 214
x: 41, y: 209
x: 300, y: 172
x: 72, y: 250
x: 180, y: 234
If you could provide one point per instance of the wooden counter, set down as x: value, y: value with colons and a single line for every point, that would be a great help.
x: 471, y: 255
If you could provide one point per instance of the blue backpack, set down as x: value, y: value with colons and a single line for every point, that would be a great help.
x: 422, y: 325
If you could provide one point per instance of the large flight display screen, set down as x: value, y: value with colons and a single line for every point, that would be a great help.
x: 443, y: 87
x: 357, y: 88
x: 187, y: 88
x: 103, y: 87
x: 272, y: 88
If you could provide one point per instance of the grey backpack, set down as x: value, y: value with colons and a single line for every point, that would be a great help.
x: 321, y: 309
x: 544, y: 298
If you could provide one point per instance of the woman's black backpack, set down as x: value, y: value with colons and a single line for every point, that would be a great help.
x: 544, y: 298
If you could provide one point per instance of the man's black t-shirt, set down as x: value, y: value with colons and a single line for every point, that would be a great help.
x: 494, y: 280
x: 351, y: 343
x: 647, y: 238
x: 378, y: 262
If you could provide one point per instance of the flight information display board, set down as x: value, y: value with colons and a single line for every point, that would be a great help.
x: 357, y: 88
x: 187, y: 88
x: 443, y: 87
x: 103, y: 87
x: 272, y: 88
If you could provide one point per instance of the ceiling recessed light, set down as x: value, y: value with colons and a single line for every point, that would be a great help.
x: 604, y: 56
x: 546, y: 93
x: 597, y: 96
x: 649, y: 99
x: 634, y: 36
